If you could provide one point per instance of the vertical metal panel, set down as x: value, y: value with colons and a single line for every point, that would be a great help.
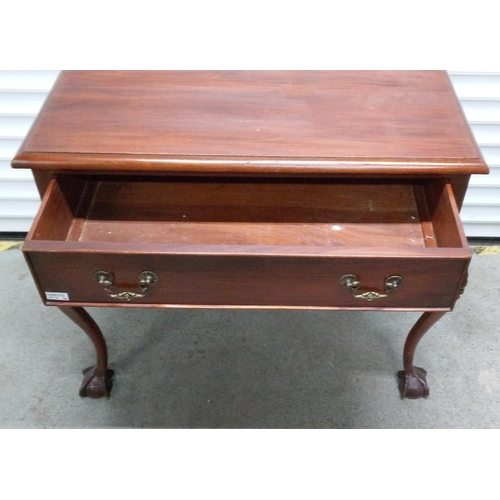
x: 22, y: 94
x: 479, y: 95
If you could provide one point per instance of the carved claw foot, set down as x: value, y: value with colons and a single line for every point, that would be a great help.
x: 413, y: 384
x: 96, y: 385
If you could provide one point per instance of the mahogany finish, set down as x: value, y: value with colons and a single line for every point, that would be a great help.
x: 259, y: 122
x: 413, y: 382
x: 98, y: 379
x: 250, y: 190
x: 286, y: 114
x: 288, y: 241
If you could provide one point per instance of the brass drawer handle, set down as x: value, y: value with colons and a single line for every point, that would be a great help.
x: 352, y: 282
x: 146, y: 278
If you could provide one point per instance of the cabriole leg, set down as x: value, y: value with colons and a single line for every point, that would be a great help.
x: 98, y: 379
x: 412, y: 381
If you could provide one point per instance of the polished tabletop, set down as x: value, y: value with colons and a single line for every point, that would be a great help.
x: 239, y: 120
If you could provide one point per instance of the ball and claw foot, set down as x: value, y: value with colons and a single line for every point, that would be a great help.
x: 413, y: 384
x: 96, y: 385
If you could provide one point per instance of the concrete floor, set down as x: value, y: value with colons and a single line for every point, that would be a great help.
x: 248, y: 369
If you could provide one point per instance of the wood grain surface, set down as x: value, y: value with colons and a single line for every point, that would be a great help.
x: 251, y: 212
x: 246, y: 242
x: 252, y: 121
x: 249, y: 280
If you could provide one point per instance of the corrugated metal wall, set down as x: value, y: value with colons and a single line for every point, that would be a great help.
x: 22, y: 94
x: 479, y: 94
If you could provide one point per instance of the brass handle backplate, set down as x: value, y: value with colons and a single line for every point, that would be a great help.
x: 146, y: 278
x: 351, y: 282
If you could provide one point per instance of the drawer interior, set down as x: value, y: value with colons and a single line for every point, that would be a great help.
x: 250, y: 211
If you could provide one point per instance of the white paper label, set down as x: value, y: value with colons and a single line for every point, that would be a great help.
x: 56, y: 296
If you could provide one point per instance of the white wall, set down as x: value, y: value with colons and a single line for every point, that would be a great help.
x: 22, y: 94
x: 479, y: 94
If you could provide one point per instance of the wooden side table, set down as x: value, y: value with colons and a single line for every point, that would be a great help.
x: 320, y: 190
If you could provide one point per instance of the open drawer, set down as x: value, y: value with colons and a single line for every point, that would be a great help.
x: 248, y: 242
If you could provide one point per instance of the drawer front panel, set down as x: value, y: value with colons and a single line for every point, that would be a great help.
x: 210, y: 280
